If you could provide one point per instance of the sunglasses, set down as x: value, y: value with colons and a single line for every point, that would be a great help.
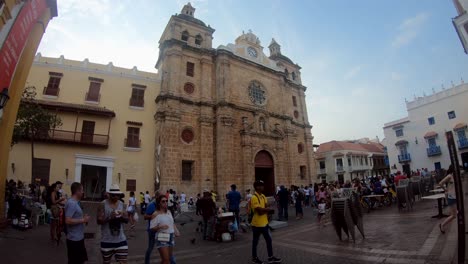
x: 163, y: 201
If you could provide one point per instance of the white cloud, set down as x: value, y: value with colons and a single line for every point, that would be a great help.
x: 352, y: 72
x: 409, y: 29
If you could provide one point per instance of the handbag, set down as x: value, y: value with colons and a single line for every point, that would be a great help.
x: 163, y: 237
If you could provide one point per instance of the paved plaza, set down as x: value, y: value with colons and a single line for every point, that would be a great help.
x: 391, y: 237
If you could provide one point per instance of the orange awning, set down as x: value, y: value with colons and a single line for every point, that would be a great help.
x: 460, y: 126
x: 401, y: 142
x: 430, y: 134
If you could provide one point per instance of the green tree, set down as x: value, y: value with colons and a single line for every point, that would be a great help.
x: 33, y: 122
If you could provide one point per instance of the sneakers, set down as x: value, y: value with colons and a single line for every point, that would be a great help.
x: 256, y: 260
x: 271, y: 260
x: 274, y: 260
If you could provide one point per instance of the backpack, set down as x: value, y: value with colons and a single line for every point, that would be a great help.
x: 250, y: 210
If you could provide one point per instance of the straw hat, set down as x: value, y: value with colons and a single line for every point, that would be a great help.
x: 115, y: 189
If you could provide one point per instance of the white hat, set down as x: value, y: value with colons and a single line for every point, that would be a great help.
x: 115, y: 189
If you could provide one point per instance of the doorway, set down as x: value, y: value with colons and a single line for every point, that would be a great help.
x: 407, y: 169
x: 93, y: 179
x: 464, y: 160
x: 264, y: 171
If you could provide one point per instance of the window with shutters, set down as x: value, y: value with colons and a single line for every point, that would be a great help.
x: 53, y: 86
x: 133, y: 137
x: 294, y: 101
x: 190, y: 69
x: 187, y: 170
x: 131, y: 185
x: 93, y: 94
x: 138, y: 96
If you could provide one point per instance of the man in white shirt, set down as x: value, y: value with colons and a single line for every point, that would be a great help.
x: 147, y: 198
x: 182, y: 198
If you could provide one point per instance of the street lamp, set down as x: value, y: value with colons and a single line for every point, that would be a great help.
x: 3, y: 100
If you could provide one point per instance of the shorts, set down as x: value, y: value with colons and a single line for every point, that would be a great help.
x: 451, y: 201
x: 120, y: 250
x: 161, y: 244
x: 321, y: 214
x: 76, y: 252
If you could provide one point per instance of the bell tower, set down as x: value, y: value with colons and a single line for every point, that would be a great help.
x: 184, y: 126
x: 275, y: 48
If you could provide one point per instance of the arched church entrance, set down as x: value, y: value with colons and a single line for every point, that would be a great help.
x: 265, y: 171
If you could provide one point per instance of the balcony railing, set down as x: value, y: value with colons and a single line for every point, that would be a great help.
x: 132, y: 143
x: 47, y: 91
x: 404, y: 158
x: 433, y: 151
x: 322, y: 171
x: 339, y: 168
x: 92, y: 99
x: 74, y: 137
x: 463, y: 143
x: 350, y: 168
x: 137, y: 102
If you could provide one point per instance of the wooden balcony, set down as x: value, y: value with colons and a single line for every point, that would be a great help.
x: 76, y: 138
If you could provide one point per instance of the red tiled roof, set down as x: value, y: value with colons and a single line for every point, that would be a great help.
x: 350, y: 146
x: 69, y: 107
x: 430, y: 134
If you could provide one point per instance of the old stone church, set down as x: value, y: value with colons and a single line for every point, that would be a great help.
x: 228, y: 115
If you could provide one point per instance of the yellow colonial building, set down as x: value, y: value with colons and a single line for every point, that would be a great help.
x: 209, y: 118
x: 108, y: 128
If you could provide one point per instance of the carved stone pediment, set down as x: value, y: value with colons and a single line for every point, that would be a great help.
x: 206, y: 120
x: 167, y: 115
x: 227, y: 121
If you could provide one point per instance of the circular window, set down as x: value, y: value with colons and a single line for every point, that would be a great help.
x: 300, y: 148
x: 296, y: 114
x: 187, y: 135
x: 257, y: 93
x: 189, y: 88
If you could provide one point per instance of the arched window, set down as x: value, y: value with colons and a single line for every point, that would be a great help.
x: 287, y: 73
x: 293, y: 75
x: 185, y: 35
x: 198, y: 40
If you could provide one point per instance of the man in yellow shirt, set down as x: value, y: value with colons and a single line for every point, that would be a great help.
x: 259, y: 224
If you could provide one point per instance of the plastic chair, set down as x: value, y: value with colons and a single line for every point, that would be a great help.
x: 40, y: 216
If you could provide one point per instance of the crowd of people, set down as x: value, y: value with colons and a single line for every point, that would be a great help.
x: 161, y: 208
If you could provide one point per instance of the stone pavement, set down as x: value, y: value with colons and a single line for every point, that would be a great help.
x: 391, y: 237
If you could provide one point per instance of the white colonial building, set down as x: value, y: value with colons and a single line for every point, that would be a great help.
x: 346, y: 160
x: 418, y: 140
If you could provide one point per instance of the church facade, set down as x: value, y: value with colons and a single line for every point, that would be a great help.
x: 229, y: 115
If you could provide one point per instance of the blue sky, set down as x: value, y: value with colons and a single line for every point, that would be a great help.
x: 360, y: 59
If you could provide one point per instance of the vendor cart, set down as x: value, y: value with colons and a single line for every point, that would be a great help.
x: 223, y: 227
